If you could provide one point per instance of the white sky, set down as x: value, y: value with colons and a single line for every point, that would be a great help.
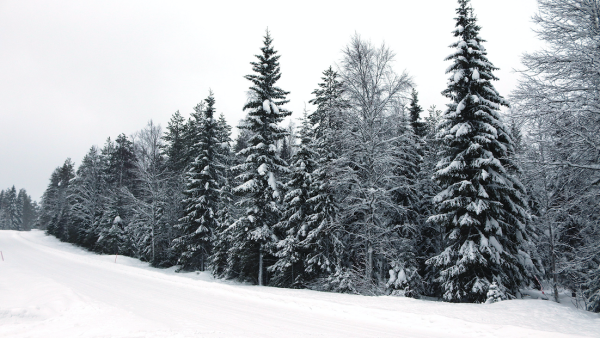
x: 73, y: 73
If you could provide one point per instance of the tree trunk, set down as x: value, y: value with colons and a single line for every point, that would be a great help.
x: 152, y: 243
x: 260, y: 266
x: 553, y: 260
x: 369, y: 268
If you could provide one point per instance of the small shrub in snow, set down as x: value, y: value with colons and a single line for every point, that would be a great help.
x: 494, y: 294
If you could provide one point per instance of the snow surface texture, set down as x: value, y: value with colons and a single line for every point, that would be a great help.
x: 53, y: 289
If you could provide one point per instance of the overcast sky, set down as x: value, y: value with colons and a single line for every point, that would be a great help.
x: 73, y: 73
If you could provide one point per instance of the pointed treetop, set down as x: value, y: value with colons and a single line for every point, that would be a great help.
x: 210, y: 105
x: 471, y: 71
x: 266, y: 73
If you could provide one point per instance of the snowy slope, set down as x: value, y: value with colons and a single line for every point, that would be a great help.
x: 52, y: 289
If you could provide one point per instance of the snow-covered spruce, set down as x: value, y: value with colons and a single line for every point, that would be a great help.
x: 293, y: 228
x: 323, y: 251
x: 12, y: 212
x: 204, y: 180
x: 87, y: 197
x: 494, y: 294
x: 481, y: 206
x: 54, y: 211
x: 260, y: 193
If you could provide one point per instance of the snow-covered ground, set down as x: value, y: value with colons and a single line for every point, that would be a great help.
x: 53, y: 289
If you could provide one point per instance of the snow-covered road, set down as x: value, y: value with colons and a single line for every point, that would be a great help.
x: 52, y: 289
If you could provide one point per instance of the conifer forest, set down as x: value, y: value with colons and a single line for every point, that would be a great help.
x: 371, y: 193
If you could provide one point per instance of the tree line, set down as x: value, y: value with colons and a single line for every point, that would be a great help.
x: 369, y: 195
x: 17, y: 210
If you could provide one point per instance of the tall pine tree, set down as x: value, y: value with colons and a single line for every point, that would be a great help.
x: 260, y: 190
x: 175, y: 145
x: 322, y: 243
x: 415, y: 113
x: 481, y: 207
x: 204, y: 180
x: 221, y: 242
x: 289, y: 268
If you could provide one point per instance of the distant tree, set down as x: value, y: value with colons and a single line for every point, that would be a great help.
x: 175, y: 148
x: 415, y: 114
x: 241, y: 141
x: 3, y: 223
x: 55, y: 213
x: 17, y: 211
x: 87, y: 197
x: 13, y: 213
x: 29, y: 212
x: 286, y: 150
x: 121, y: 163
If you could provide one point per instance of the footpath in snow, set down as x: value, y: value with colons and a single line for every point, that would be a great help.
x: 52, y: 289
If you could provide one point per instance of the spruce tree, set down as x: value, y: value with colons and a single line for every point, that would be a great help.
x: 55, y: 213
x: 285, y: 152
x: 12, y: 209
x: 291, y: 255
x: 175, y: 147
x: 494, y: 294
x: 322, y: 244
x: 415, y: 113
x: 88, y: 195
x: 113, y: 239
x: 260, y: 191
x: 26, y: 206
x: 430, y: 237
x: 3, y: 222
x: 221, y: 237
x: 121, y: 163
x: 481, y: 207
x: 204, y: 180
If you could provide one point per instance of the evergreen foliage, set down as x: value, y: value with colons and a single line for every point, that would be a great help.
x: 415, y: 114
x: 87, y: 197
x: 221, y: 237
x: 121, y: 162
x: 54, y: 213
x: 17, y: 210
x: 367, y: 172
x: 204, y: 180
x: 556, y: 104
x: 377, y: 199
x: 322, y: 243
x: 481, y: 208
x: 494, y: 294
x: 175, y: 146
x: 260, y: 191
x: 293, y: 229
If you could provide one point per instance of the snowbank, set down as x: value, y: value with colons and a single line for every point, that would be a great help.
x: 53, y: 289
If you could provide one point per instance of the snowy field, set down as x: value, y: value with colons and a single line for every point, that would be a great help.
x: 52, y: 289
